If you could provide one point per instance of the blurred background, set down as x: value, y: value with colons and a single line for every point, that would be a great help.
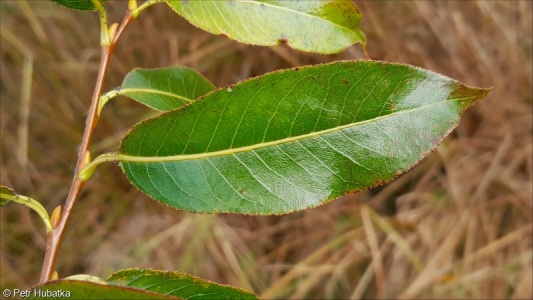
x: 459, y: 225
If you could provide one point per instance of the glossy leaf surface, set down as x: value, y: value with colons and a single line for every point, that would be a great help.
x: 294, y: 139
x: 177, y: 284
x: 165, y: 89
x: 322, y: 26
x: 70, y: 289
x: 79, y: 4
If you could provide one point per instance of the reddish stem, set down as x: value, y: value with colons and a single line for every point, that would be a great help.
x: 54, y: 238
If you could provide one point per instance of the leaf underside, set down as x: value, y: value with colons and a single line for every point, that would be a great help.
x: 165, y: 89
x: 294, y: 139
x: 177, y: 284
x: 322, y: 26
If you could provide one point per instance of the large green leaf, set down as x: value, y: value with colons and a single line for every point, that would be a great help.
x: 70, y: 289
x: 139, y: 284
x: 165, y: 89
x: 323, y: 26
x: 79, y: 4
x: 294, y: 139
x: 177, y: 284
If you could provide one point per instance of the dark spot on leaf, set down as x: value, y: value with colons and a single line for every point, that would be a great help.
x: 345, y: 81
x: 224, y: 35
x: 282, y: 41
x: 296, y: 69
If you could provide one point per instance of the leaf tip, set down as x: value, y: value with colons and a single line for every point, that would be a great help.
x: 471, y: 95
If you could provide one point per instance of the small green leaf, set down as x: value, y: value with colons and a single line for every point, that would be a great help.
x: 294, y: 139
x: 165, y: 89
x: 7, y: 191
x: 70, y: 289
x: 322, y: 26
x: 177, y: 284
x: 79, y: 4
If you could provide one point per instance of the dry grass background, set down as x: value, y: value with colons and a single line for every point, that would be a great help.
x: 459, y: 225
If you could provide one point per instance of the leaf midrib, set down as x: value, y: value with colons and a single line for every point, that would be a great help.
x: 207, y: 155
x: 123, y: 92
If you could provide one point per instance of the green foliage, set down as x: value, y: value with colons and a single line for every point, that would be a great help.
x: 72, y: 289
x: 165, y: 89
x: 177, y: 284
x: 285, y: 141
x: 325, y: 26
x: 294, y: 139
x: 79, y: 4
x: 140, y: 284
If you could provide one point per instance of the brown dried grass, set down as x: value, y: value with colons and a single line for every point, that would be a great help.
x: 459, y: 225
